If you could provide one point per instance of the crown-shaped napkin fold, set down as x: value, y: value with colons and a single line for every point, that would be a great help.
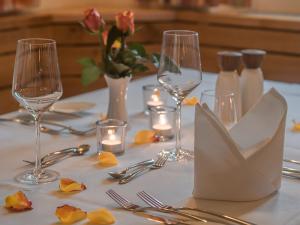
x: 245, y: 163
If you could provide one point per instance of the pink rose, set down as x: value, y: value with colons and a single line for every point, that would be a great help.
x: 125, y: 21
x: 93, y: 21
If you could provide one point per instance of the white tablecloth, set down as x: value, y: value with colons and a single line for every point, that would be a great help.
x: 172, y: 184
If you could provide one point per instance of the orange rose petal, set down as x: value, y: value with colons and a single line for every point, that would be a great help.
x: 69, y: 185
x: 145, y: 136
x: 101, y: 216
x: 17, y: 202
x: 190, y: 101
x: 69, y: 214
x: 296, y: 127
x: 107, y: 159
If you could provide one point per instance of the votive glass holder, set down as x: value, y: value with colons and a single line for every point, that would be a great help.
x: 111, y: 135
x: 163, y: 122
x: 153, y: 95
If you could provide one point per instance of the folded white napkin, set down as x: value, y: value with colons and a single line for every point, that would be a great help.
x: 245, y: 163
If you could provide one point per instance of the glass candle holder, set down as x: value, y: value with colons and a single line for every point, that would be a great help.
x: 153, y: 95
x: 111, y: 136
x: 162, y: 121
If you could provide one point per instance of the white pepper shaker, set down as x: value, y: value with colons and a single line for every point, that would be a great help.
x: 228, y: 79
x: 252, y: 79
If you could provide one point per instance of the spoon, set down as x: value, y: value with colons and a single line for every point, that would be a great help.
x: 119, y: 175
x: 57, y: 156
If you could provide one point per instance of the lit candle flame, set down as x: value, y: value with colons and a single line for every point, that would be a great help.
x: 111, y: 135
x: 162, y: 119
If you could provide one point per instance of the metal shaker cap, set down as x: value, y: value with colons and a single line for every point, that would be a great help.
x: 252, y: 58
x: 229, y: 60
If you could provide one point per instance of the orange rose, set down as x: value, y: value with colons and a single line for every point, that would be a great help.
x: 93, y: 20
x: 125, y: 21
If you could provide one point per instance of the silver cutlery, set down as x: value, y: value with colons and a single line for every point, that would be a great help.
x: 161, y: 219
x: 57, y: 156
x: 290, y: 175
x: 159, y: 163
x: 120, y: 174
x: 74, y: 115
x: 154, y: 202
x: 124, y: 203
x: 292, y: 170
x: 47, y: 129
x: 292, y: 161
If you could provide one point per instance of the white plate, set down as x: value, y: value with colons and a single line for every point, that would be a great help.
x: 72, y: 107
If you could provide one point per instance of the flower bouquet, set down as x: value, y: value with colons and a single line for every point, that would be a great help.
x: 119, y: 60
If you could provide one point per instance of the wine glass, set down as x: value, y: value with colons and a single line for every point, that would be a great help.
x: 36, y: 86
x: 223, y: 106
x: 179, y: 73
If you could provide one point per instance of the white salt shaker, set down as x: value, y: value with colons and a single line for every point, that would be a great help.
x: 228, y: 79
x: 252, y: 79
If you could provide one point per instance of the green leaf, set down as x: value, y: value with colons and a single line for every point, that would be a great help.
x: 155, y: 57
x: 139, y: 68
x: 86, y: 62
x: 138, y: 49
x: 90, y: 74
x: 128, y: 57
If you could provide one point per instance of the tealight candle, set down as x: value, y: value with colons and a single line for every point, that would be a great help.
x: 111, y: 136
x: 155, y: 100
x: 162, y: 128
x: 153, y: 96
x: 112, y: 143
x: 162, y: 121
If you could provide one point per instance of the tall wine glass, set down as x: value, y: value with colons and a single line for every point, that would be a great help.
x: 179, y: 73
x: 223, y: 106
x: 36, y: 86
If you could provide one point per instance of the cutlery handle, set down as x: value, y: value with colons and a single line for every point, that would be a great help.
x: 223, y: 216
x: 287, y: 169
x: 57, y: 154
x: 292, y: 161
x: 134, y: 174
x: 143, y: 163
x: 176, y: 212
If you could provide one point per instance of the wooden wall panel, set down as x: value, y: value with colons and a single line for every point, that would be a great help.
x: 7, y: 102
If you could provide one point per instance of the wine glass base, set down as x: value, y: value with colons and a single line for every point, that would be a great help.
x: 173, y: 155
x: 28, y: 177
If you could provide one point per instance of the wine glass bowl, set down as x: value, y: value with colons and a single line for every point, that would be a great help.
x: 179, y: 73
x: 36, y: 86
x: 223, y: 106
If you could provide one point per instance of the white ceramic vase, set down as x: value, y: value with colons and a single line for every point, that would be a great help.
x: 117, y: 97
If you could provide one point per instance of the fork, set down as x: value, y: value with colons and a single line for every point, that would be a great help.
x: 124, y: 203
x: 159, y: 163
x: 154, y: 202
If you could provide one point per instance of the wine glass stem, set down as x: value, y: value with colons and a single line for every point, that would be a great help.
x: 38, y: 168
x: 178, y: 127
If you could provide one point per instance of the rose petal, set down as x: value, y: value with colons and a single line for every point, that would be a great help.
x: 17, y: 202
x: 101, y: 216
x: 296, y: 126
x: 190, y: 101
x: 107, y: 159
x: 69, y: 214
x: 69, y: 185
x: 145, y: 136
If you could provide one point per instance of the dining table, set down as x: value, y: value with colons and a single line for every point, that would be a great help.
x: 172, y: 184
